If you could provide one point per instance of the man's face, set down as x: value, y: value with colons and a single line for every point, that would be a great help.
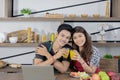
x: 63, y: 37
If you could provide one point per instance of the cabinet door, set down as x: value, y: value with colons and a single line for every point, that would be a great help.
x: 6, y: 8
x: 115, y: 8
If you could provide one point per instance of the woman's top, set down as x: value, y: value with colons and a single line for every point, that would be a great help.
x: 95, y: 59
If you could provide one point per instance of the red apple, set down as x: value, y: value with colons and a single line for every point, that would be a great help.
x: 116, y: 57
x: 110, y: 73
x: 116, y: 77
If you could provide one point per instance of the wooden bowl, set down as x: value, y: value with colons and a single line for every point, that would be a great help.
x: 84, y: 15
x: 96, y: 15
x: 2, y: 64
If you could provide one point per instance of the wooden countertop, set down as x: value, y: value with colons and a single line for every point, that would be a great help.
x: 16, y: 74
x: 8, y: 73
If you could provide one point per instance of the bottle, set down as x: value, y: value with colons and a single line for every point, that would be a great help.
x: 36, y: 38
x: 52, y: 37
x: 28, y: 34
x: 48, y: 36
x: 44, y: 38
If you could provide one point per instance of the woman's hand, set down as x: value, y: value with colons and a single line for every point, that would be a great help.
x: 42, y: 50
x: 76, y: 56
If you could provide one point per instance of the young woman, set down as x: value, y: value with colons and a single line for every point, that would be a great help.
x: 87, y: 56
x: 51, y: 53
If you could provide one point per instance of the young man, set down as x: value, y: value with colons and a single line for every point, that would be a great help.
x: 51, y: 53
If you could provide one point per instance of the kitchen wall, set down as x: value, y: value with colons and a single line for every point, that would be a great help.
x: 39, y: 26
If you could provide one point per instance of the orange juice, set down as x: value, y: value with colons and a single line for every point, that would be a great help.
x: 72, y: 54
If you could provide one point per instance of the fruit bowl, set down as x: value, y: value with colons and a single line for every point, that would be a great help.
x: 74, y: 74
x: 81, y: 75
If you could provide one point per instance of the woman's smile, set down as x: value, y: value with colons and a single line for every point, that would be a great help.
x: 79, y: 39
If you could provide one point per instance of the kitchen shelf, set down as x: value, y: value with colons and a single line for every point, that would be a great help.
x: 30, y: 19
x: 66, y: 19
x: 106, y: 44
x: 19, y: 44
x: 97, y: 44
x: 91, y: 19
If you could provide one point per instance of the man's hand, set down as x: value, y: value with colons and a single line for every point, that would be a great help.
x: 42, y: 50
x: 60, y: 53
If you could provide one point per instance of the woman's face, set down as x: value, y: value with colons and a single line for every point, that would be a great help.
x: 79, y: 39
x: 63, y: 37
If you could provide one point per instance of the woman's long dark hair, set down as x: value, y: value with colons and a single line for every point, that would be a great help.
x: 87, y: 47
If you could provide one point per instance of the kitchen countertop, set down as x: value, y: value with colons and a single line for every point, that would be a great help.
x: 18, y: 76
x: 8, y: 73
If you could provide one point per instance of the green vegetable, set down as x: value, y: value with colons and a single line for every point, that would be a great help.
x: 103, y: 75
x: 108, y: 56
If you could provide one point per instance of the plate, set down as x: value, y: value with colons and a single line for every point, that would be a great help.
x: 74, y: 74
x: 14, y: 65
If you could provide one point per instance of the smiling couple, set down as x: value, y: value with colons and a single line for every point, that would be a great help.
x: 52, y: 53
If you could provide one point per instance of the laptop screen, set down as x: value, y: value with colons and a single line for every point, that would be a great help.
x: 33, y: 72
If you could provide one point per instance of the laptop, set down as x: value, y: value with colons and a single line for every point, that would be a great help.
x: 33, y: 72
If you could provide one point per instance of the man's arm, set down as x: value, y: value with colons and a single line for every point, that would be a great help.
x: 61, y: 66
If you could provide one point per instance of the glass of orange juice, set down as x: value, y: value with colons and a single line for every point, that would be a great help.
x: 72, y: 54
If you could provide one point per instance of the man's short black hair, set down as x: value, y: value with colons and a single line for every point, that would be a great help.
x: 64, y: 27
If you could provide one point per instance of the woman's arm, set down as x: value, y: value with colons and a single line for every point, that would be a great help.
x: 88, y: 68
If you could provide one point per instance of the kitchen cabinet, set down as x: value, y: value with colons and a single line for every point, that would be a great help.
x: 115, y: 8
